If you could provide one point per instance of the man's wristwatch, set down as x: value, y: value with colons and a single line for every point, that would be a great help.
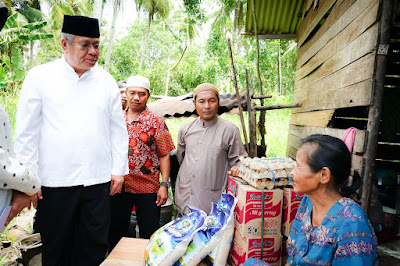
x: 165, y: 184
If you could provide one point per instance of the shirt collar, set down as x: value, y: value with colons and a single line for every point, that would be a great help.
x: 71, y: 69
x: 208, y: 122
x: 140, y: 118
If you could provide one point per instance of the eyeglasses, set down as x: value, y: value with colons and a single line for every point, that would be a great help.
x: 86, y: 46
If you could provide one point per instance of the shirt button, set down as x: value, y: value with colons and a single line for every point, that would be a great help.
x: 196, y: 159
x: 193, y: 176
x: 200, y: 141
x: 191, y: 193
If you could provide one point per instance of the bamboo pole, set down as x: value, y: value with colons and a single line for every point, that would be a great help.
x: 238, y: 96
x: 252, y: 121
x: 375, y: 110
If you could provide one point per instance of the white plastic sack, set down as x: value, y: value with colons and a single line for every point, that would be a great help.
x: 212, y: 233
x: 169, y: 242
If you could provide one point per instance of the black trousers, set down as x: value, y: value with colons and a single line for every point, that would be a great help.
x: 147, y: 214
x: 74, y: 224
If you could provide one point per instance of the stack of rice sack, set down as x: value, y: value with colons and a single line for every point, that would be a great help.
x: 267, y: 173
x: 188, y: 240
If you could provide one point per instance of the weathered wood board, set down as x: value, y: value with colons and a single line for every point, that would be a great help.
x: 339, y: 22
x: 318, y: 118
x: 293, y: 145
x: 338, y: 9
x: 302, y: 132
x: 312, y: 19
x: 355, y: 41
x: 359, y: 94
x: 357, y: 72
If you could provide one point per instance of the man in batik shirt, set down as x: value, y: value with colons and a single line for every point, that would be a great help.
x: 149, y: 145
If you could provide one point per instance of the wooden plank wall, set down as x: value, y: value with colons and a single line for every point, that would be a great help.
x: 337, y: 43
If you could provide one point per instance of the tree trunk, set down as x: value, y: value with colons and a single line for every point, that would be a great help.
x: 112, y: 33
x: 169, y: 71
x: 31, y: 52
x: 239, y: 27
x: 235, y: 22
x: 145, y: 43
x: 97, y: 7
x: 279, y: 67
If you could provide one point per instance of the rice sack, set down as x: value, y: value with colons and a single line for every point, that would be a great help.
x: 219, y: 254
x: 206, y: 239
x: 169, y: 242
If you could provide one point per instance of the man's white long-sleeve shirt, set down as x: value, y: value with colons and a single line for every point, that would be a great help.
x: 69, y: 130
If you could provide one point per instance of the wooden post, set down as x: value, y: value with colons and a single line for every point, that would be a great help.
x: 252, y: 121
x: 238, y: 97
x: 261, y: 123
x: 375, y: 110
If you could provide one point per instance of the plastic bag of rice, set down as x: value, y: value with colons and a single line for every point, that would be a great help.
x: 206, y: 239
x: 169, y: 242
x: 219, y: 255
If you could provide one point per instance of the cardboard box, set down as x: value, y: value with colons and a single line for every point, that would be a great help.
x: 249, y: 209
x: 291, y: 202
x: 244, y: 248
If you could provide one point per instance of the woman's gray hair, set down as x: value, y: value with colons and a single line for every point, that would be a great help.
x: 68, y: 36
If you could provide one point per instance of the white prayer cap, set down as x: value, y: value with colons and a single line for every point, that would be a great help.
x: 138, y: 81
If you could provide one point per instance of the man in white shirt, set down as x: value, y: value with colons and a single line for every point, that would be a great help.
x: 78, y: 148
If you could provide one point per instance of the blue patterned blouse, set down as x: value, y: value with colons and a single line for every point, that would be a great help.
x: 345, y: 236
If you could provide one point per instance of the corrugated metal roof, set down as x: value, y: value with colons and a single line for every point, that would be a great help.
x: 183, y: 106
x: 274, y: 17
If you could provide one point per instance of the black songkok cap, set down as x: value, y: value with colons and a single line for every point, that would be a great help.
x: 3, y: 15
x: 81, y: 26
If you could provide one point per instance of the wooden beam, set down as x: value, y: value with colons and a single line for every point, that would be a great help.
x: 261, y: 97
x: 375, y: 111
x: 317, y: 118
x: 279, y: 106
x: 271, y: 36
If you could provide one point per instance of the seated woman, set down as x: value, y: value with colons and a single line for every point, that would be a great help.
x: 329, y: 229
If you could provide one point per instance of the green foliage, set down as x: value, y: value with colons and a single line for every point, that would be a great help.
x: 15, y: 34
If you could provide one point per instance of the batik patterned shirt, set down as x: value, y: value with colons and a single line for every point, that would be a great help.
x: 149, y: 139
x: 345, y: 236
